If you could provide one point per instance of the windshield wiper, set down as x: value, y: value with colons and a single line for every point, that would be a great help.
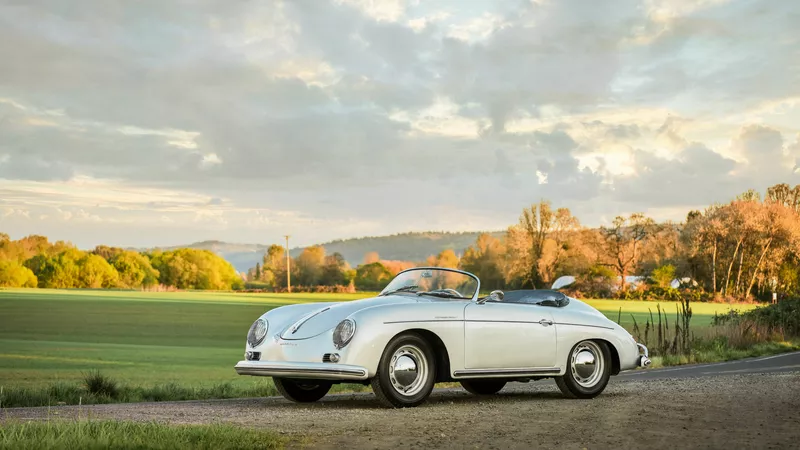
x: 440, y: 294
x: 402, y: 289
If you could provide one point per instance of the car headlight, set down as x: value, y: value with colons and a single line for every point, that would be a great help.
x: 343, y: 333
x: 257, y: 333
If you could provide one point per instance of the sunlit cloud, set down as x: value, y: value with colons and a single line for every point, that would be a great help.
x: 339, y: 118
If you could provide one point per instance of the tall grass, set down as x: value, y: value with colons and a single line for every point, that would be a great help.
x: 132, y: 435
x: 98, y: 388
x: 657, y: 335
x: 732, y: 336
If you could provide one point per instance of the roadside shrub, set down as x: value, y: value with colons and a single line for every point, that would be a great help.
x: 782, y: 318
x: 98, y: 384
x: 662, y: 276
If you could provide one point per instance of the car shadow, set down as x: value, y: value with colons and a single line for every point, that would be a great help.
x: 439, y: 397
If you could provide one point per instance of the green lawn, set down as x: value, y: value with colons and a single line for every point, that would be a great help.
x: 137, y: 338
x: 97, y: 434
x: 144, y: 339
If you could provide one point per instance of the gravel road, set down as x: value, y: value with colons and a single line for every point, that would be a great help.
x: 738, y: 408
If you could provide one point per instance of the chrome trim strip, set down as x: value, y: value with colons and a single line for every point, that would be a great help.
x: 582, y: 325
x: 305, y: 319
x: 533, y: 371
x: 323, y: 371
x: 422, y: 321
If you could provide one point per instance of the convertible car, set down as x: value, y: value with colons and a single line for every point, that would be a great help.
x: 430, y: 325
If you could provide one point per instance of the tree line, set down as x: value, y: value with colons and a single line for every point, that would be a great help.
x: 33, y: 261
x: 746, y: 248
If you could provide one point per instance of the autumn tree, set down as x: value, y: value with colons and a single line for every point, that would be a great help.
x: 372, y: 277
x: 336, y: 271
x: 546, y: 232
x: 95, y: 272
x: 134, y: 269
x: 446, y: 258
x: 273, y: 268
x: 309, y: 265
x: 14, y: 274
x: 622, y: 243
x: 485, y: 259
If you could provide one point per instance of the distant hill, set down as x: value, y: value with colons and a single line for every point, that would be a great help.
x: 404, y: 247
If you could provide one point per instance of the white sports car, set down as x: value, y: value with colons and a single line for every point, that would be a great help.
x: 430, y: 325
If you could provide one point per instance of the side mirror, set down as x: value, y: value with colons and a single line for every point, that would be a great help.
x: 496, y: 296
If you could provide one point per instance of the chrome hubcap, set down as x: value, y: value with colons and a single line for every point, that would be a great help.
x: 587, y: 364
x: 408, y: 370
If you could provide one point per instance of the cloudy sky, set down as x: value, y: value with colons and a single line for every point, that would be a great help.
x: 164, y: 122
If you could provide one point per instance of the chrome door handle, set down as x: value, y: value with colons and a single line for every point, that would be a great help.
x: 545, y: 322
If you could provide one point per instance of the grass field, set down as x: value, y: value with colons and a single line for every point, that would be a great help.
x: 96, y: 434
x: 144, y: 339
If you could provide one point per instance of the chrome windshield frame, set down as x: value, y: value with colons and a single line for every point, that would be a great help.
x: 477, y: 288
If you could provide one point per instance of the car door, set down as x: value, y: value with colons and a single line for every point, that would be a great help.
x: 508, y: 336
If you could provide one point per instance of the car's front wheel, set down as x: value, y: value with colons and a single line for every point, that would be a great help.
x: 483, y: 387
x: 302, y: 391
x: 588, y: 370
x: 406, y: 372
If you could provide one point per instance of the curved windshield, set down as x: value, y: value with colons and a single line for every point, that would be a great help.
x: 433, y: 282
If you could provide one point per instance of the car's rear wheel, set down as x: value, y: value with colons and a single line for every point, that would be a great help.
x: 406, y: 372
x: 483, y: 387
x: 588, y: 370
x: 302, y: 391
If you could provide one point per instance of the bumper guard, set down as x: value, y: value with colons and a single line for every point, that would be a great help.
x: 644, y: 358
x: 317, y: 371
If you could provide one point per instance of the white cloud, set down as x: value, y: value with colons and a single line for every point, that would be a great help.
x: 256, y: 117
x: 210, y: 159
x: 478, y: 28
x: 381, y: 10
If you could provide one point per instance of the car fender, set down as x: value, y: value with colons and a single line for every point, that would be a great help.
x: 378, y: 325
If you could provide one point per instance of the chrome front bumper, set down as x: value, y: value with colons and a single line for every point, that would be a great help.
x: 316, y: 371
x: 644, y: 358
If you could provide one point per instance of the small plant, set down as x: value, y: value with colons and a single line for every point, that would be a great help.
x: 98, y: 384
x: 679, y: 342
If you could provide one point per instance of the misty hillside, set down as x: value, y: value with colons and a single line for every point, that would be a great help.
x: 405, y: 246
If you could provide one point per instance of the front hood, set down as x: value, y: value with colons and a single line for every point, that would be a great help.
x: 327, y: 317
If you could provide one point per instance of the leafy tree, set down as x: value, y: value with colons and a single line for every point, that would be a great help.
x: 484, y: 259
x: 335, y: 271
x: 309, y: 266
x: 663, y: 276
x: 95, y: 272
x: 622, y: 242
x: 274, y: 266
x: 106, y: 252
x: 372, y: 277
x: 187, y: 268
x: 13, y: 274
x: 547, y: 232
x: 134, y: 269
x: 446, y: 258
x: 61, y: 271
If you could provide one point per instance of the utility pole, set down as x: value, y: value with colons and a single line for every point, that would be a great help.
x: 288, y: 266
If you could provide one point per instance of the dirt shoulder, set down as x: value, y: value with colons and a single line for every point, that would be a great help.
x: 741, y: 411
